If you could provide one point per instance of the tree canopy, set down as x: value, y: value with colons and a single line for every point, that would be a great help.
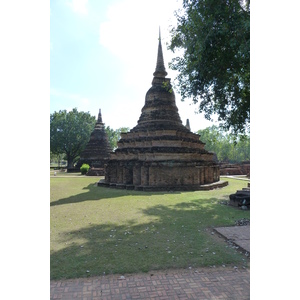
x: 70, y: 133
x: 214, y: 69
x: 228, y: 147
x: 115, y: 135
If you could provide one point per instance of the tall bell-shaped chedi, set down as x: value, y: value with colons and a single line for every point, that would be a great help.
x: 97, y: 151
x: 160, y: 153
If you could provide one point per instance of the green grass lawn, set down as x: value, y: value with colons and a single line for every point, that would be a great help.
x: 63, y: 173
x: 96, y: 229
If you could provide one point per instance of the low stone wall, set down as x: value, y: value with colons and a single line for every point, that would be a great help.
x: 95, y: 172
x: 235, y: 169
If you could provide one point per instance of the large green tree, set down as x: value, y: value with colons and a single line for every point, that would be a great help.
x: 70, y: 133
x: 214, y: 69
x: 115, y: 135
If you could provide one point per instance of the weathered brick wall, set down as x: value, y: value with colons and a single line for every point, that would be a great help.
x: 235, y: 169
x: 163, y: 174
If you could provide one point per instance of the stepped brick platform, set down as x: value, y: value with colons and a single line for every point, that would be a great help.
x: 160, y: 153
x: 97, y: 151
x: 203, y: 187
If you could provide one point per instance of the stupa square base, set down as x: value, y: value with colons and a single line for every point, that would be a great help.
x: 203, y: 187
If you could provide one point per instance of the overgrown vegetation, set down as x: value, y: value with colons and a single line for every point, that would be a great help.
x: 97, y: 230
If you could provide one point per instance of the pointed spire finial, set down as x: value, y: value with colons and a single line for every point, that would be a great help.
x: 187, y: 125
x: 160, y: 70
x: 99, y: 116
x: 159, y: 34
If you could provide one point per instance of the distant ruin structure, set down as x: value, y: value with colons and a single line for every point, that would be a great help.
x: 97, y: 151
x: 242, y: 168
x: 160, y: 153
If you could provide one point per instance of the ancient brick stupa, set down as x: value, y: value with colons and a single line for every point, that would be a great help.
x: 160, y: 153
x: 96, y: 152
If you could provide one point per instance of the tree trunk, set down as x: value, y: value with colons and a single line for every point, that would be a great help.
x: 70, y: 166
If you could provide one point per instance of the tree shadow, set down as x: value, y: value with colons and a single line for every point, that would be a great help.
x: 95, y: 192
x: 179, y: 236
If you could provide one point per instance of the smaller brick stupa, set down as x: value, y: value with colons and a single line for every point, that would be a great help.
x: 97, y: 151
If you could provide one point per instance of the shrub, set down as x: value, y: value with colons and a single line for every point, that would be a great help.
x: 84, y: 168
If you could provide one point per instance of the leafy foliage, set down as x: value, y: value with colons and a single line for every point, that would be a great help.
x: 215, y: 67
x: 70, y: 132
x: 227, y: 146
x: 115, y: 135
x: 84, y: 169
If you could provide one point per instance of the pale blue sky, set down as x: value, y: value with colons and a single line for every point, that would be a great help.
x: 103, y: 55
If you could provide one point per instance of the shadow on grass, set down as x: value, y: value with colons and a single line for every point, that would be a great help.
x: 178, y: 237
x: 94, y: 192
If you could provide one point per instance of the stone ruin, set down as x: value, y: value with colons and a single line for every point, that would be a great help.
x: 160, y: 153
x: 241, y: 198
x: 242, y: 168
x: 97, y: 151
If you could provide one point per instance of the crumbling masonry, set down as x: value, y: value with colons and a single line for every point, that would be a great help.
x: 160, y: 153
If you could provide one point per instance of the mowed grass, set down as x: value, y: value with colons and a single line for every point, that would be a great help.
x: 97, y: 230
x: 62, y: 172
